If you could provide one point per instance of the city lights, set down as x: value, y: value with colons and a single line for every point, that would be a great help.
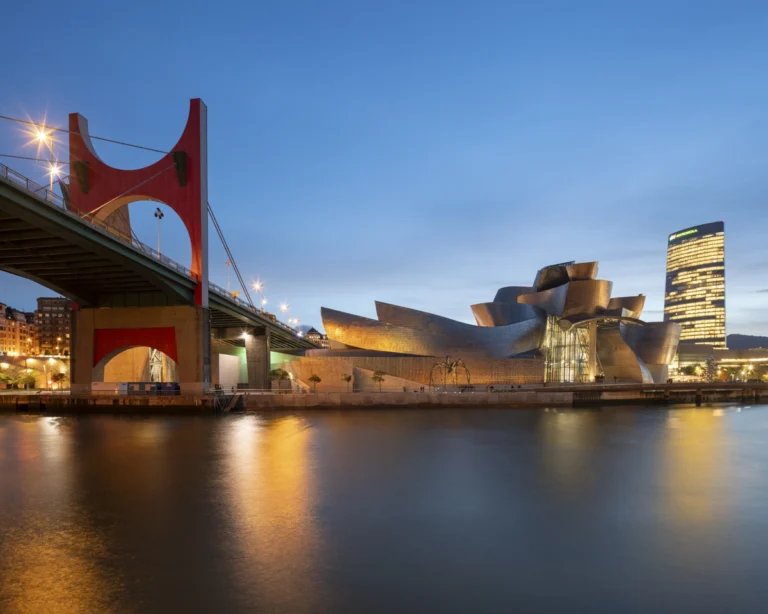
x: 284, y: 307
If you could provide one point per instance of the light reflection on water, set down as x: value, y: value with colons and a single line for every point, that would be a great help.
x: 378, y: 511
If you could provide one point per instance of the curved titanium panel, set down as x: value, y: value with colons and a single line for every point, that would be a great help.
x: 587, y: 297
x: 509, y: 294
x: 655, y: 343
x: 617, y: 358
x: 552, y: 301
x: 552, y: 276
x: 582, y: 271
x: 443, y: 337
x: 501, y: 314
x: 413, y: 318
x: 633, y: 304
x: 584, y: 297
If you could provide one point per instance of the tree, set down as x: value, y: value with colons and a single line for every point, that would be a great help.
x: 378, y: 376
x: 315, y: 379
x: 279, y: 374
x: 347, y: 378
x: 692, y: 370
x: 25, y: 380
x: 58, y: 378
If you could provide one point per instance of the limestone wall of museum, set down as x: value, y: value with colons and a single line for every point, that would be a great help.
x: 414, y: 370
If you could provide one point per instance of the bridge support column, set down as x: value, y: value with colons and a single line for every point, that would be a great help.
x: 257, y: 359
x: 181, y: 332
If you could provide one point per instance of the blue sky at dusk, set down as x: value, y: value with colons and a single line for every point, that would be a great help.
x: 423, y: 153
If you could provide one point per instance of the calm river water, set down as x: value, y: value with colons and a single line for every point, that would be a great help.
x: 611, y: 510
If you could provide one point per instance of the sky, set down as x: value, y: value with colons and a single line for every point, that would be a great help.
x: 423, y: 153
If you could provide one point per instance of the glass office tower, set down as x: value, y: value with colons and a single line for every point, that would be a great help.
x: 695, y: 289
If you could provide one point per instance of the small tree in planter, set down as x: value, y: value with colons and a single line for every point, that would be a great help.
x: 278, y: 376
x: 315, y: 379
x: 25, y: 380
x: 58, y: 378
x: 347, y: 378
x: 378, y: 377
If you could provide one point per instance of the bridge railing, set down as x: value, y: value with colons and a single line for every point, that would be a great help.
x: 30, y: 186
x: 212, y: 287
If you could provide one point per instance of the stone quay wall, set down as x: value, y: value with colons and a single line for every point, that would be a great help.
x: 352, y: 400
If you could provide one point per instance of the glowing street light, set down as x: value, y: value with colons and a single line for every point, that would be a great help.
x: 45, y: 138
x: 259, y: 287
x: 284, y: 307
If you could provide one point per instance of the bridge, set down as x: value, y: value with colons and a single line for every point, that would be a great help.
x: 126, y: 293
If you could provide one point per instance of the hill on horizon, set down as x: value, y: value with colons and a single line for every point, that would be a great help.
x: 745, y: 342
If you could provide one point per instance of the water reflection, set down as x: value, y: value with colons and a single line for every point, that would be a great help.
x: 268, y: 480
x: 50, y: 558
x: 626, y: 510
x: 570, y: 440
x: 693, y: 451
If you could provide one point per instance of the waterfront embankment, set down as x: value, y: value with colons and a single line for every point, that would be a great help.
x: 544, y: 396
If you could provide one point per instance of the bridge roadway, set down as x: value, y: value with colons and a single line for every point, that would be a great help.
x: 97, y: 266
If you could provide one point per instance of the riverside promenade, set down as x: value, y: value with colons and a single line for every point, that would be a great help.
x: 584, y: 395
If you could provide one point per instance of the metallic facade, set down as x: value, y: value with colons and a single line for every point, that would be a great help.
x: 567, y: 317
x: 695, y: 283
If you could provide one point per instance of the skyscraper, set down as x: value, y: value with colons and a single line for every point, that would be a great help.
x: 695, y: 288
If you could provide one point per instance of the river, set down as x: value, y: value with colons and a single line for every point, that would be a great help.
x: 608, y: 510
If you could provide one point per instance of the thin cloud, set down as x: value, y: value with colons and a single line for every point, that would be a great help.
x: 763, y: 290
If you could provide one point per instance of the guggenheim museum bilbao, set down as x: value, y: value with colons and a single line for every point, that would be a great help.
x: 565, y: 328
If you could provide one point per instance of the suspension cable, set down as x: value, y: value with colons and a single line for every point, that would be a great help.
x: 229, y: 255
x: 95, y: 138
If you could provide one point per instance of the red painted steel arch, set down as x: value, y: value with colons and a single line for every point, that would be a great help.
x: 179, y: 179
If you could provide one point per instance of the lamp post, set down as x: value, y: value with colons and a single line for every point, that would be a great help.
x: 229, y: 264
x: 159, y: 215
x: 259, y: 287
x: 54, y: 170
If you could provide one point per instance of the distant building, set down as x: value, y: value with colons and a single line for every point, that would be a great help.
x: 53, y: 317
x: 18, y: 334
x: 695, y: 284
x: 315, y: 336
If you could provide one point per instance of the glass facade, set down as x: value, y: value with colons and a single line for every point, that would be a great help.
x: 695, y: 288
x: 566, y: 353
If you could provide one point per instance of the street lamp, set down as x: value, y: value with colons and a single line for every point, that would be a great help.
x: 159, y: 215
x: 54, y: 170
x: 229, y: 264
x: 259, y: 287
